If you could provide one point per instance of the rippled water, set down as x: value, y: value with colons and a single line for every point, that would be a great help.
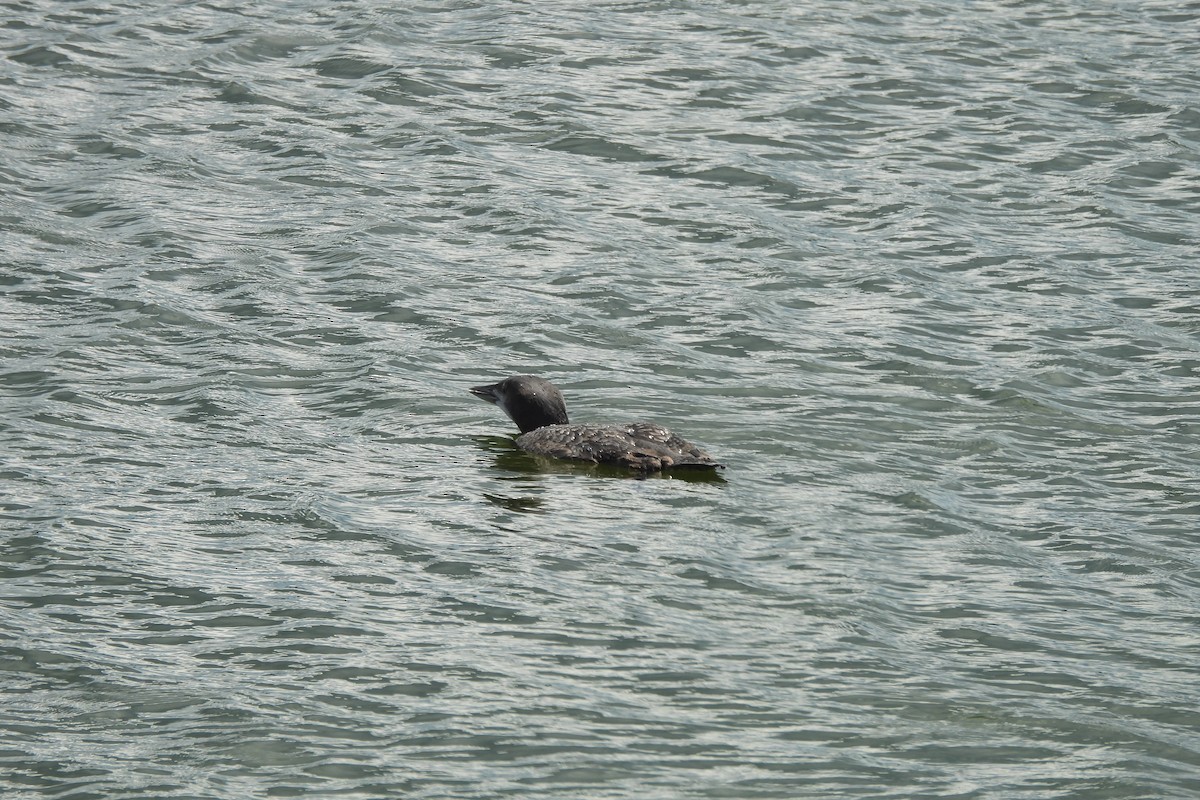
x: 924, y: 276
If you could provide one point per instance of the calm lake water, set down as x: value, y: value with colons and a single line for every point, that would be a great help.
x: 925, y: 276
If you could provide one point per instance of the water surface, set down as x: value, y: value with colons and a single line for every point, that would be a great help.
x: 923, y: 276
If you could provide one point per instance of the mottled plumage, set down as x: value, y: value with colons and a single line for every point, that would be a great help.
x: 538, y: 409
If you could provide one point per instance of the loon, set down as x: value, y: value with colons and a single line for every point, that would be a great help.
x: 537, y: 407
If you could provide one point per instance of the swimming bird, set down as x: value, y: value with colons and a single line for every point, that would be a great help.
x: 537, y: 407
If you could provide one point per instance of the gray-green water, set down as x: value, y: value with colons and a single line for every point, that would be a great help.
x: 924, y: 275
